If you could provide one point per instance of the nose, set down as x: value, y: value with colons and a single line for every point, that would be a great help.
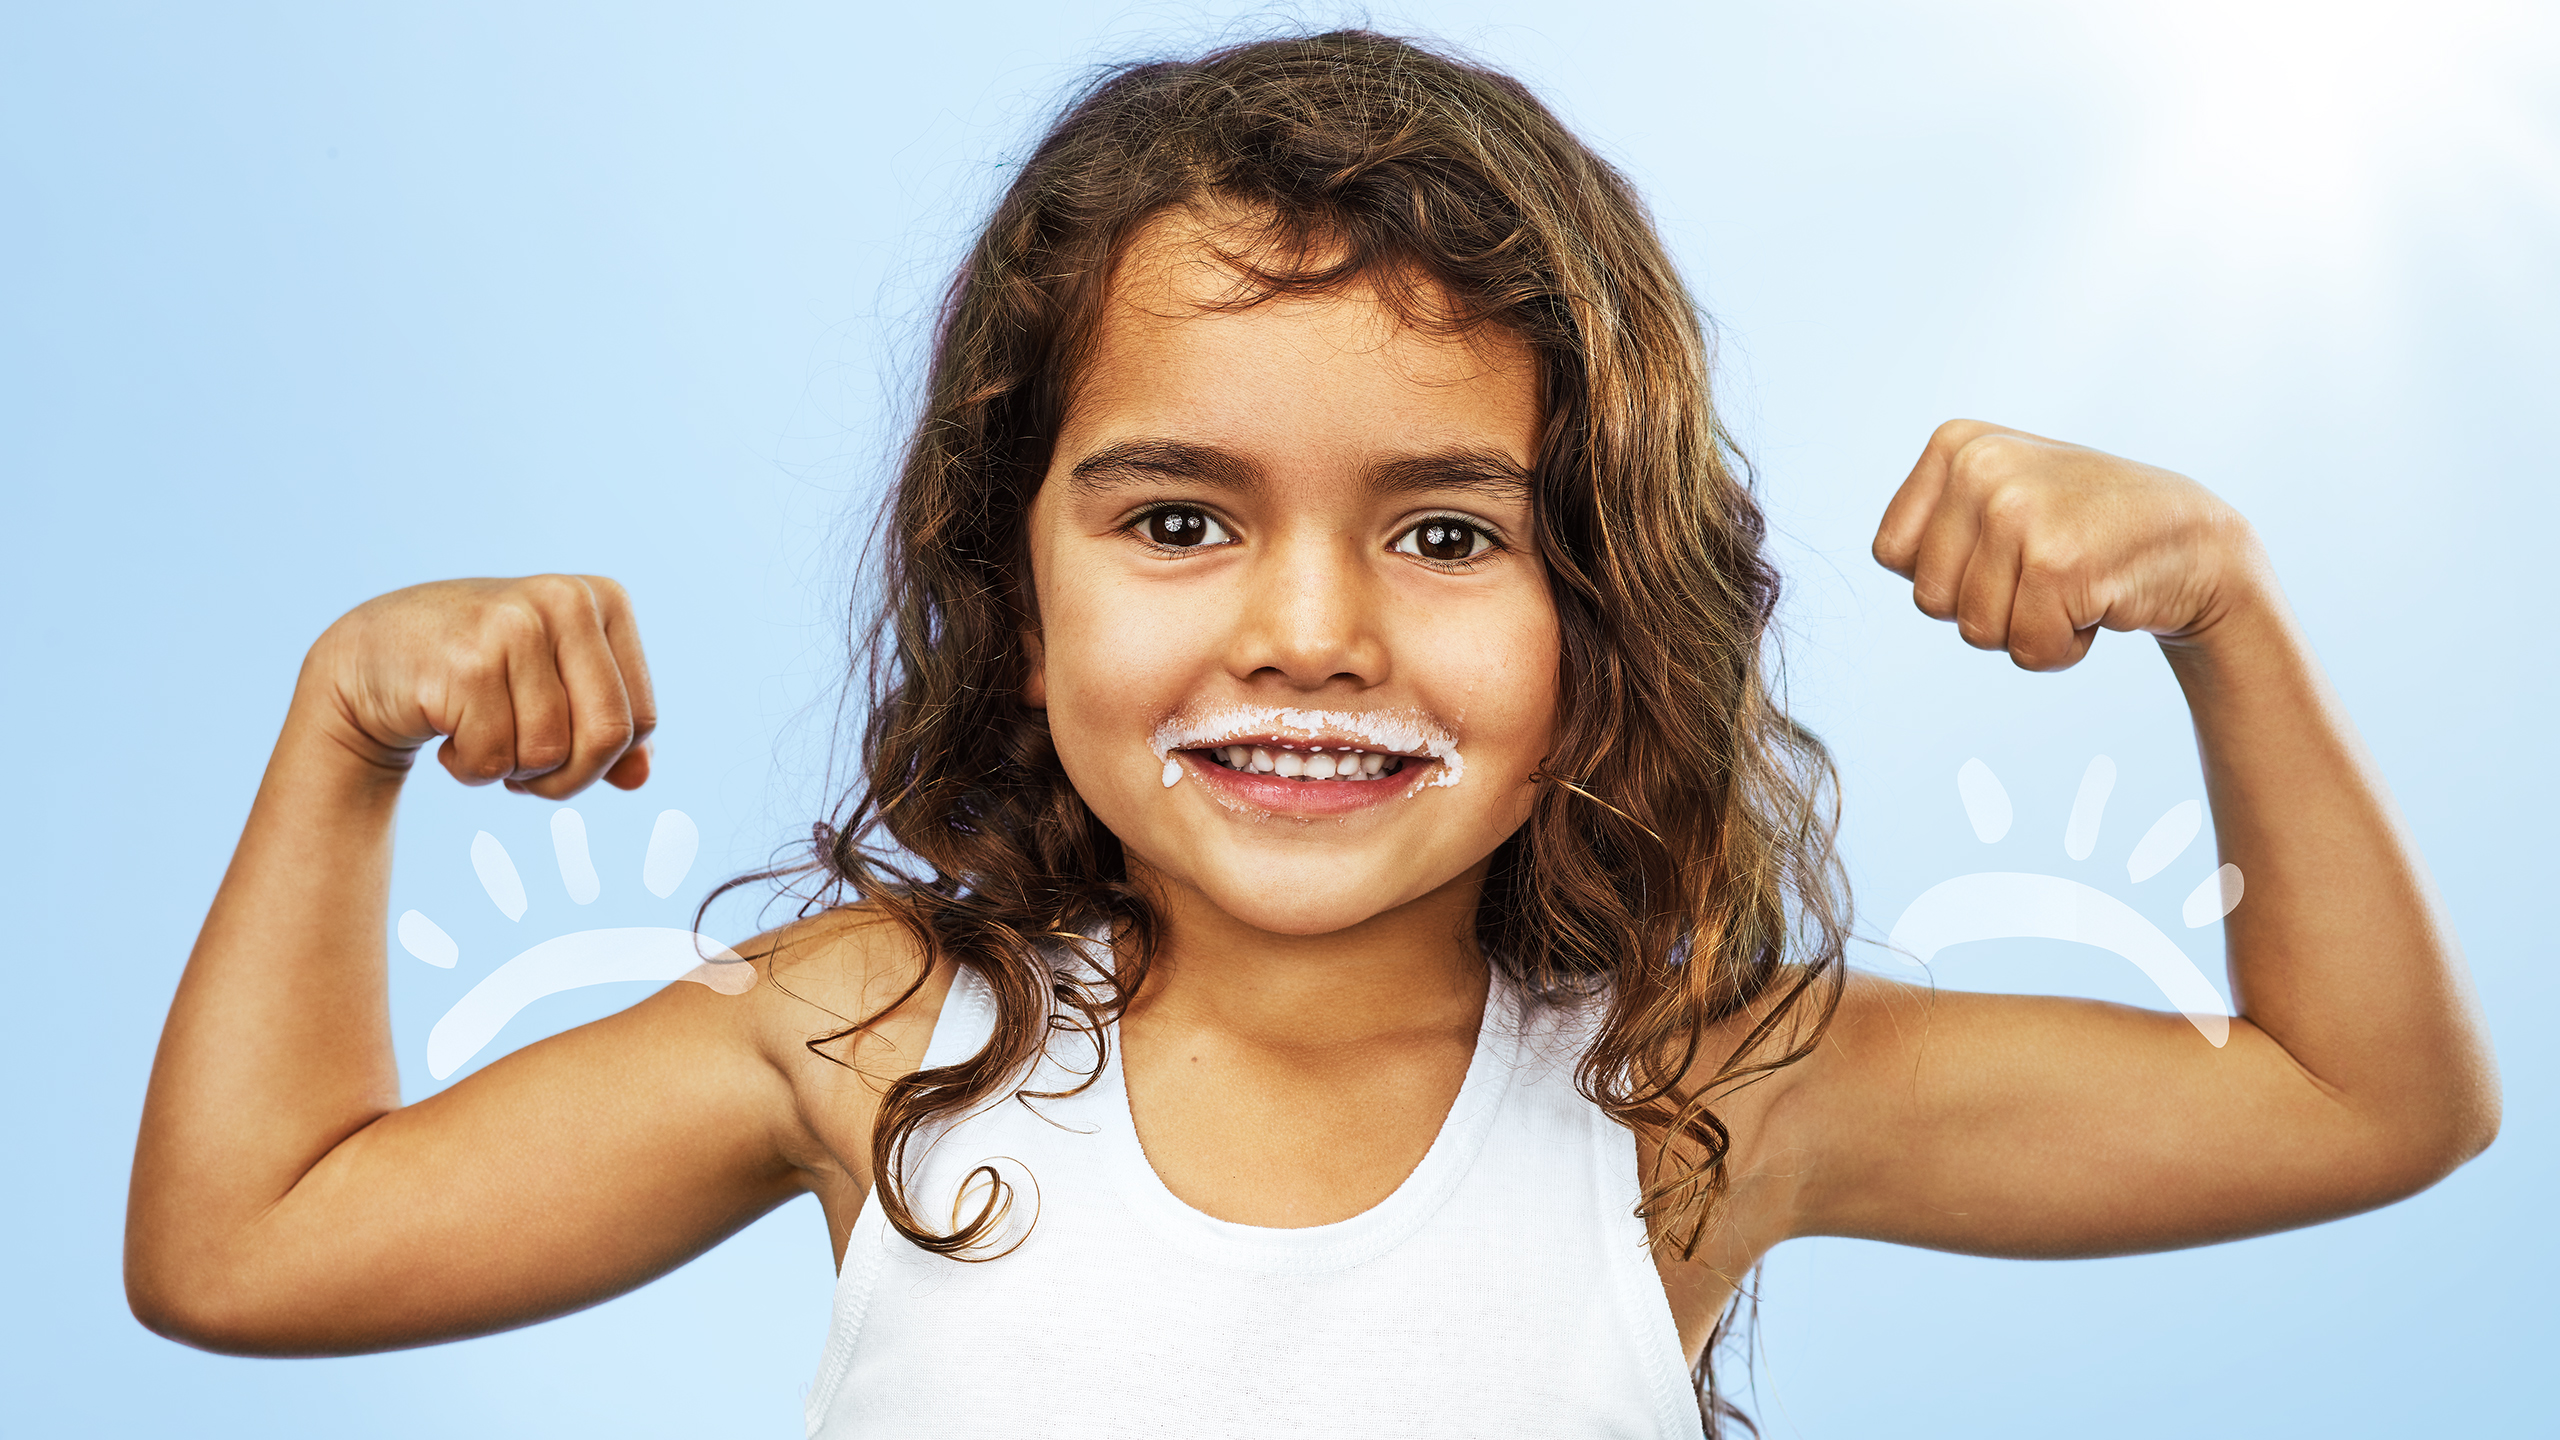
x: 1312, y: 616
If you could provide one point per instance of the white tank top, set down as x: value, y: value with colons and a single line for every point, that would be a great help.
x: 1503, y: 1289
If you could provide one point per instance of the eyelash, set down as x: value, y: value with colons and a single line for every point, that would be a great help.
x: 1137, y: 526
x: 1493, y: 545
x: 1492, y: 542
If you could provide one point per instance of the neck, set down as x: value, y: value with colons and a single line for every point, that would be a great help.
x: 1415, y: 967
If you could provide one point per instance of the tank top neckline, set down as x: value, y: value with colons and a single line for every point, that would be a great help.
x: 1315, y: 1249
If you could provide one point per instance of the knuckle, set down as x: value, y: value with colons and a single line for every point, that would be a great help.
x: 2050, y: 566
x: 1988, y: 456
x: 2010, y: 505
x: 512, y: 620
x: 473, y: 664
x: 560, y: 590
x: 1952, y: 434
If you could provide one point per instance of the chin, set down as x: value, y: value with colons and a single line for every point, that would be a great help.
x: 1300, y: 894
x: 1280, y: 916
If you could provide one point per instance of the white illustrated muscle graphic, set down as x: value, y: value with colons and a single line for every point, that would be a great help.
x: 425, y: 939
x: 1986, y: 803
x: 652, y: 953
x: 2212, y: 899
x: 497, y: 871
x: 2166, y: 840
x: 1998, y: 905
x: 569, y: 846
x: 2010, y: 905
x: 587, y: 957
x: 673, y: 842
x: 2089, y: 808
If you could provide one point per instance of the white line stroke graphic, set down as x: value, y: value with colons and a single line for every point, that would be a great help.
x: 568, y: 962
x: 2010, y: 905
x: 2001, y: 905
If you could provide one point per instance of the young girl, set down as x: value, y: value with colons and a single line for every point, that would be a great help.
x: 1335, y: 935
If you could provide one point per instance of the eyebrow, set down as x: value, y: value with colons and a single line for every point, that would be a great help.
x: 1136, y: 462
x: 1489, y: 473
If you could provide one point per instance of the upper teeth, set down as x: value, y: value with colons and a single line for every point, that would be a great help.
x: 1306, y: 764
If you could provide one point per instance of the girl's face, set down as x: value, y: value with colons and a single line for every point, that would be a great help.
x: 1288, y: 542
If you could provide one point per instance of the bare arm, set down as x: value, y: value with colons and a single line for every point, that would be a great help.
x: 2359, y: 1070
x: 283, y: 1202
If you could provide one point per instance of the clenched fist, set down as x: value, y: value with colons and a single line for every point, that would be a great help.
x: 537, y: 682
x: 2030, y: 545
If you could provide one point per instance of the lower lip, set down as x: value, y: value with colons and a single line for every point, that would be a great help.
x: 1283, y: 796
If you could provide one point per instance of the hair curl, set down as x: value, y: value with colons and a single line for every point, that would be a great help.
x: 1679, y: 862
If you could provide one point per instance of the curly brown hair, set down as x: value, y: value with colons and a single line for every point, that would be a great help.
x: 1679, y: 865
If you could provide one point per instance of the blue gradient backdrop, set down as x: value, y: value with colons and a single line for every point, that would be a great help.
x: 300, y: 304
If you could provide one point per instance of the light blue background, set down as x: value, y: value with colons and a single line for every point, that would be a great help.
x: 301, y: 304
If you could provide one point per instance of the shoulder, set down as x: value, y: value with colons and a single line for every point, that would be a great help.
x: 841, y: 967
x: 844, y: 1004
x: 1767, y: 1104
x: 1776, y: 1122
x: 1847, y: 1046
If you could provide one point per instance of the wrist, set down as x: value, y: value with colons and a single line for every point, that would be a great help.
x: 2229, y: 579
x: 322, y: 722
x: 329, y: 758
x: 2245, y: 621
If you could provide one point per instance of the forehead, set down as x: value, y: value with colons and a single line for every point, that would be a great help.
x: 1183, y: 346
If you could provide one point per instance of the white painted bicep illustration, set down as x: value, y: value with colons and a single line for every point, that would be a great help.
x: 2007, y: 904
x: 580, y: 958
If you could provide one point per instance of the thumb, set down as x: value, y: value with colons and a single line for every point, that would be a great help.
x: 632, y: 770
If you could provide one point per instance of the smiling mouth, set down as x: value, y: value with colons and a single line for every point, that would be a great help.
x: 1309, y: 763
x: 1260, y: 745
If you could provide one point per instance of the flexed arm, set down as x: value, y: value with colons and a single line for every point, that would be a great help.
x: 283, y: 1201
x: 2359, y: 1069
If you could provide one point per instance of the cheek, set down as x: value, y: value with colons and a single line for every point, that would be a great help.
x: 1494, y: 676
x: 1114, y: 666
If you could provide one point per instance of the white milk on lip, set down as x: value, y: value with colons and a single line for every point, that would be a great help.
x: 1402, y: 732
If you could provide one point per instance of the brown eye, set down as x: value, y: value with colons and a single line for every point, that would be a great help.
x: 1180, y: 527
x: 1446, y: 539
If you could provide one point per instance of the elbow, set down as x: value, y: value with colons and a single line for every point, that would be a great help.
x: 2470, y: 1104
x: 194, y: 1305
x: 2426, y: 1149
x: 2474, y: 1127
x: 174, y: 1310
x: 187, y: 1311
x: 2467, y: 1121
x: 246, y: 1305
x: 213, y: 1321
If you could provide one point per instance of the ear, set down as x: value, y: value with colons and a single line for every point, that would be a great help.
x: 1035, y: 671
